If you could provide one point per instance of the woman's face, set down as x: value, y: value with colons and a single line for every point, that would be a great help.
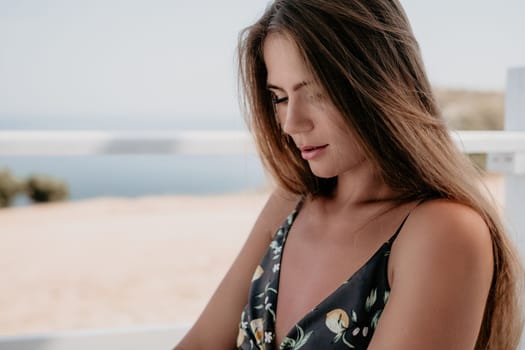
x: 306, y: 113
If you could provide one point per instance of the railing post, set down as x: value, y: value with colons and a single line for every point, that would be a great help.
x: 515, y: 182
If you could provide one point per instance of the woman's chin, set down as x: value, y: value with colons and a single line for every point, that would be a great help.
x: 323, y: 173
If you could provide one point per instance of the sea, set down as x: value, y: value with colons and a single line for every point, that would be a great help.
x: 137, y: 175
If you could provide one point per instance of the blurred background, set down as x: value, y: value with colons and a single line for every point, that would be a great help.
x: 142, y: 239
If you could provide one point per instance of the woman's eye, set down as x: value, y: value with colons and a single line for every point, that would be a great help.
x: 276, y: 99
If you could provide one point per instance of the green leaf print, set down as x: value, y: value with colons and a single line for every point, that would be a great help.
x: 354, y: 316
x: 338, y: 337
x: 272, y: 313
x: 294, y: 344
x: 268, y: 289
x: 375, y: 319
x: 371, y: 299
x: 347, y: 343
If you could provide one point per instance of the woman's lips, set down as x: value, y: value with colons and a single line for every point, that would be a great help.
x: 310, y: 152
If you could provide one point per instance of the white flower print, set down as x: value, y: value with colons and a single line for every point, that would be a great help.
x: 276, y: 250
x: 276, y: 267
x: 268, y: 337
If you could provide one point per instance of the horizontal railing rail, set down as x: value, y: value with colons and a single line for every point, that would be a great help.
x: 161, y: 337
x: 195, y: 142
x: 100, y: 142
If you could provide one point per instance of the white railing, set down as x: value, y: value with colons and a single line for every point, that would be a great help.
x: 162, y: 337
x: 82, y: 143
x: 88, y: 143
x: 505, y: 150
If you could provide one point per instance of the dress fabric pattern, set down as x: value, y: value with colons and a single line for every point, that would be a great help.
x: 346, y: 319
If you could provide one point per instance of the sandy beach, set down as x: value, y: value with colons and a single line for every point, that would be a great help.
x: 120, y: 262
x: 110, y: 262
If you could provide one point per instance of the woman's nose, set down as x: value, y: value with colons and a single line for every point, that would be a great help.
x: 296, y: 118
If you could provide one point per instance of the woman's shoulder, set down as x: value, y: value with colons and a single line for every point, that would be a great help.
x: 445, y: 233
x: 441, y: 275
x: 280, y: 204
x: 448, y: 221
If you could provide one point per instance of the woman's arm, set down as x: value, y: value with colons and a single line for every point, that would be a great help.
x: 217, y: 326
x: 442, y: 271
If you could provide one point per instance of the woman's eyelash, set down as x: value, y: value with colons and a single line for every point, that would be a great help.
x: 276, y: 100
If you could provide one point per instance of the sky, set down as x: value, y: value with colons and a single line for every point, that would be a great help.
x: 174, y: 59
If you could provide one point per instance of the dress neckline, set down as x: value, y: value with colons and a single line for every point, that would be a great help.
x: 291, y: 219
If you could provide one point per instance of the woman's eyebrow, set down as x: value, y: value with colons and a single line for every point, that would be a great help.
x: 294, y: 88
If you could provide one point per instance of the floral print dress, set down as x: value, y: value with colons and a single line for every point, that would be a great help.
x: 346, y: 319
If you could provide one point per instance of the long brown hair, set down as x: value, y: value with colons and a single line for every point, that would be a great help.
x: 364, y: 54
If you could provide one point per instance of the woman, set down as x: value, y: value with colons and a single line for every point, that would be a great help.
x: 378, y: 236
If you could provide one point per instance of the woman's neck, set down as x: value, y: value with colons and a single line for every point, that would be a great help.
x: 361, y: 186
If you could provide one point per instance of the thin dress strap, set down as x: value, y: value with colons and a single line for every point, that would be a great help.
x: 300, y: 203
x: 392, y: 239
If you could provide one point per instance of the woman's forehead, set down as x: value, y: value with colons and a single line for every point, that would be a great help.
x: 285, y: 65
